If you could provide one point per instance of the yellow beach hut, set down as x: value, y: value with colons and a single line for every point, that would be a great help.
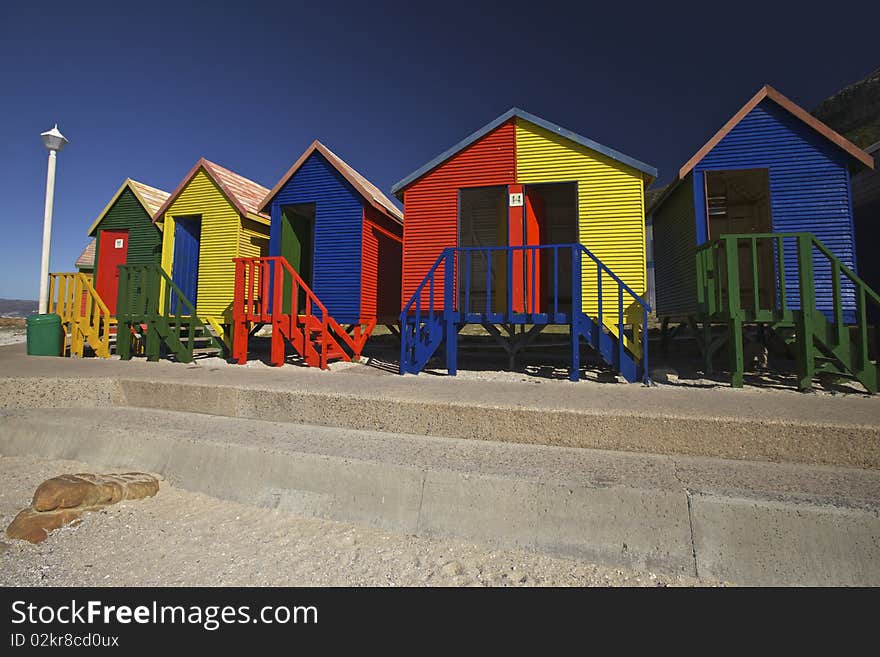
x: 212, y: 217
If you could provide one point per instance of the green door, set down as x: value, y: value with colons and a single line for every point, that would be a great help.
x: 297, y: 237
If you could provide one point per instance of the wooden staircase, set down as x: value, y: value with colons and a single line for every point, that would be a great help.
x: 144, y: 313
x: 440, y: 308
x: 270, y: 291
x: 828, y: 333
x: 85, y: 319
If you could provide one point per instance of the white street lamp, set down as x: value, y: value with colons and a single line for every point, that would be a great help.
x: 54, y: 141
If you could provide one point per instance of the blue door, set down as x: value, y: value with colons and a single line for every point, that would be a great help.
x: 185, y: 268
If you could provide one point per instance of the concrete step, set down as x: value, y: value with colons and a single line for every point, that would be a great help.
x: 770, y: 425
x: 751, y: 523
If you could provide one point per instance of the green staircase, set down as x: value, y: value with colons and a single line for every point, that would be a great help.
x: 741, y: 280
x: 145, y: 315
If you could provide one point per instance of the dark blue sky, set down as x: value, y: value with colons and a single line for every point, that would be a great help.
x: 142, y: 90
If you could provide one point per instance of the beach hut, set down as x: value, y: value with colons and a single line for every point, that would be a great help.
x: 85, y: 263
x: 211, y: 218
x: 336, y: 245
x: 757, y: 228
x: 525, y: 223
x: 124, y: 233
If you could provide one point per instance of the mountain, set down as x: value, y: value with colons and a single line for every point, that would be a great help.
x: 854, y: 111
x: 17, y: 308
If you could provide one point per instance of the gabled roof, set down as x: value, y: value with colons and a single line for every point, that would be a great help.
x: 86, y: 259
x: 150, y: 198
x: 531, y: 118
x: 244, y: 194
x: 770, y: 93
x: 364, y: 187
x: 765, y: 93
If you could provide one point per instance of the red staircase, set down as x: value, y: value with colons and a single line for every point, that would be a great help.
x: 270, y: 291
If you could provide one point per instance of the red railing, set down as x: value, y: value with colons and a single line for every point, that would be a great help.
x: 270, y: 291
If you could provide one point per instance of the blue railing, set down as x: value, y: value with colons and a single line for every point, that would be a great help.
x: 532, y: 287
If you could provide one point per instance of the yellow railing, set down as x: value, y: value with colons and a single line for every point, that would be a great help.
x: 84, y: 315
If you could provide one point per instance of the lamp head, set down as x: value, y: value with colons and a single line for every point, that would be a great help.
x: 53, y: 139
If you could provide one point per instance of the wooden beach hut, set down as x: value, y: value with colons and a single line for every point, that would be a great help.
x: 124, y: 233
x: 211, y: 218
x: 336, y: 249
x: 526, y: 223
x: 757, y: 229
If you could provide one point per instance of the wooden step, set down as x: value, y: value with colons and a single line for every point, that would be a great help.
x: 199, y: 351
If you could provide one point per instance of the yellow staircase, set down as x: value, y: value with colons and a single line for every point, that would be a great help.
x: 84, y: 315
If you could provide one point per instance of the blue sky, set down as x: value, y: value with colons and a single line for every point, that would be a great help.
x: 142, y: 90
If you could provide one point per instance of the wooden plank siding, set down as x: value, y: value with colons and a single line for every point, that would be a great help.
x: 675, y: 241
x: 221, y: 238
x: 611, y: 208
x: 380, y: 265
x: 336, y: 270
x: 431, y: 202
x: 254, y: 239
x: 144, y: 238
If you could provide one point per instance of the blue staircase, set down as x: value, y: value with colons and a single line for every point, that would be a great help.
x: 524, y: 285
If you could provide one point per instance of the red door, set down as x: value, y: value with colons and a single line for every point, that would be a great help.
x: 112, y: 252
x: 534, y: 235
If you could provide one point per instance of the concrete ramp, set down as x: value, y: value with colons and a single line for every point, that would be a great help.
x: 742, y: 521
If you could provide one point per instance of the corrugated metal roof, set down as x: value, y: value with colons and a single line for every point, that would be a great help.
x: 86, y: 259
x: 243, y: 193
x: 531, y: 118
x: 247, y: 193
x: 151, y: 198
x: 364, y: 187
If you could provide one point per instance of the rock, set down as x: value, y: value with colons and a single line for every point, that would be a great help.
x: 70, y: 491
x: 34, y: 526
x: 62, y: 500
x: 663, y: 374
x: 452, y: 569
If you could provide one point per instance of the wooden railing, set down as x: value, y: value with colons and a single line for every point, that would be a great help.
x: 84, y: 315
x: 141, y: 304
x: 270, y: 291
x: 748, y: 278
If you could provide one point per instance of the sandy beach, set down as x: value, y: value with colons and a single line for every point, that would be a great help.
x: 12, y: 330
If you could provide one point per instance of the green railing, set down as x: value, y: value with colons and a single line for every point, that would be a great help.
x: 723, y: 294
x: 141, y: 303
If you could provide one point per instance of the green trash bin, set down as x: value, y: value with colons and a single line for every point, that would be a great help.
x: 44, y: 335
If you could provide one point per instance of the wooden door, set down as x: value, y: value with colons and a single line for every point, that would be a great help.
x: 112, y: 252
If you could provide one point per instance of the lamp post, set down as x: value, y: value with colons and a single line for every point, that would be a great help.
x: 54, y: 141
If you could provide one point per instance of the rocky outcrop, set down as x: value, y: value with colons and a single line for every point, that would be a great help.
x: 854, y: 111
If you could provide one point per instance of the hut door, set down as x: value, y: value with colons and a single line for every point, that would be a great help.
x: 112, y: 252
x: 297, y: 246
x: 534, y: 234
x: 738, y: 203
x: 550, y: 218
x: 483, y: 222
x: 185, y: 267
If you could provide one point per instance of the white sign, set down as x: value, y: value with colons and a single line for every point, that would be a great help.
x: 119, y: 243
x: 516, y: 200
